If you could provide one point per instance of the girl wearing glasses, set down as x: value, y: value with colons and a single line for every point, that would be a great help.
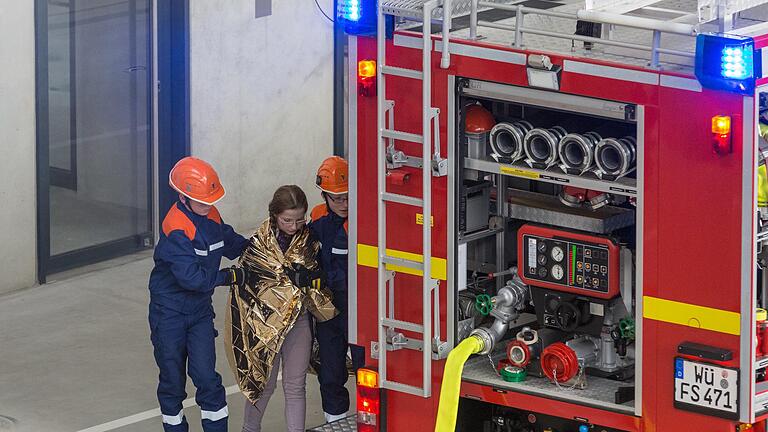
x: 267, y: 319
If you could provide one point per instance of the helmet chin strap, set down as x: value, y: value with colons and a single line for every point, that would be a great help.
x: 184, y: 200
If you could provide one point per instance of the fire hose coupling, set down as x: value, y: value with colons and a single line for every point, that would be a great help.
x: 615, y: 157
x: 577, y: 151
x: 519, y: 353
x: 507, y: 139
x: 486, y: 339
x: 580, y: 197
x: 541, y: 145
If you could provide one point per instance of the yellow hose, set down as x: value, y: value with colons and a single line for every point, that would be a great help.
x: 762, y: 186
x: 449, y: 392
x: 762, y: 177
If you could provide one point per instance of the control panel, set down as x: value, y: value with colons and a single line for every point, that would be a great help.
x: 566, y: 261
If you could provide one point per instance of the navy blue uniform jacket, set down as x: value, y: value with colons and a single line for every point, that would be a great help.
x: 188, y: 256
x: 331, y: 230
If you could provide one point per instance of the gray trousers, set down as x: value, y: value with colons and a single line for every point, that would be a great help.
x: 294, y: 355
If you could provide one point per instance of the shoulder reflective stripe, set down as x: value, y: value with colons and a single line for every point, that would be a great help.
x: 690, y: 315
x: 368, y: 256
x: 214, y: 415
x: 407, y: 41
x: 611, y: 72
x: 339, y: 251
x: 680, y: 83
x: 174, y: 420
x: 215, y: 246
x: 484, y: 53
x: 201, y: 252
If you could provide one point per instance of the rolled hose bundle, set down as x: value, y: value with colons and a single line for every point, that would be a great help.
x: 541, y: 145
x: 507, y: 139
x: 449, y: 391
x: 577, y: 151
x: 615, y: 157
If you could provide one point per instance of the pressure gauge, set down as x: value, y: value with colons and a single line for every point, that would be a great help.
x: 557, y: 253
x: 557, y: 271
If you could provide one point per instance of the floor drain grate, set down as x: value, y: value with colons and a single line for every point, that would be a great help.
x: 7, y: 424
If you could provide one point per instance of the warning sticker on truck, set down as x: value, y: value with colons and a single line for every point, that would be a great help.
x: 706, y: 388
x: 517, y: 172
x: 420, y: 219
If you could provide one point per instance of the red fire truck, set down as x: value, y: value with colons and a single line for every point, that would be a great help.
x: 572, y: 187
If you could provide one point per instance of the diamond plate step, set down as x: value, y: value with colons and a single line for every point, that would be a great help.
x: 348, y: 424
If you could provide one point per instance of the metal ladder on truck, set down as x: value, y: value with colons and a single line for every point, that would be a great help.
x: 432, y: 164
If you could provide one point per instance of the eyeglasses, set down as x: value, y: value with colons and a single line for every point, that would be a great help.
x: 338, y: 199
x: 288, y: 222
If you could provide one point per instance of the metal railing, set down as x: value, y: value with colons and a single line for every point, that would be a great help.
x: 519, y: 28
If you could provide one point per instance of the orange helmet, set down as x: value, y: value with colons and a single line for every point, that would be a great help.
x: 197, y: 180
x: 478, y: 119
x: 332, y: 176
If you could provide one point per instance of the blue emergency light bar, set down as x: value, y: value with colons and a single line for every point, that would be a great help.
x: 356, y: 17
x: 726, y: 62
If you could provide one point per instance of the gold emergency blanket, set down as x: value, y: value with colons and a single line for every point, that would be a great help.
x: 259, y: 317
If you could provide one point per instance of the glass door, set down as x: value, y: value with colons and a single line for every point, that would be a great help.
x: 94, y: 130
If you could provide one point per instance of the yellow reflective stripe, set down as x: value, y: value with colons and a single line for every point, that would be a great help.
x: 369, y: 256
x: 690, y: 315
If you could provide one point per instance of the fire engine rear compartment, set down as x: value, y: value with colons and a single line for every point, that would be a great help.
x: 504, y: 190
x: 498, y: 200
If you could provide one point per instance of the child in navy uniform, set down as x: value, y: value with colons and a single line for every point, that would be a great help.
x: 187, y: 260
x: 329, y: 225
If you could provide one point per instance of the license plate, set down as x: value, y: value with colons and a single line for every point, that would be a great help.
x: 706, y: 388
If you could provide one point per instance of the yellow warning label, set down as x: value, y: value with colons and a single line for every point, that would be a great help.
x: 420, y: 219
x: 517, y: 172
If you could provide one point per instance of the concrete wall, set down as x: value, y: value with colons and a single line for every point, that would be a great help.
x: 17, y: 141
x: 261, y: 98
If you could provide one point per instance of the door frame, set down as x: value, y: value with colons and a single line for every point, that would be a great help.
x: 173, y: 100
x: 47, y: 264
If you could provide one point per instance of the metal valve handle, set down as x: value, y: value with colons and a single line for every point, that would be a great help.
x: 627, y: 328
x: 484, y: 304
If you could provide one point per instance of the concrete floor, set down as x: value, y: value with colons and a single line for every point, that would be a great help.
x: 75, y: 354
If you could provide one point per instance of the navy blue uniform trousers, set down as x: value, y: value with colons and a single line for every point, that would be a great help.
x: 179, y: 339
x: 332, y: 337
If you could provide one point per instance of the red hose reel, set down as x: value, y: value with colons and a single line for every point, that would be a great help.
x: 559, y: 361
